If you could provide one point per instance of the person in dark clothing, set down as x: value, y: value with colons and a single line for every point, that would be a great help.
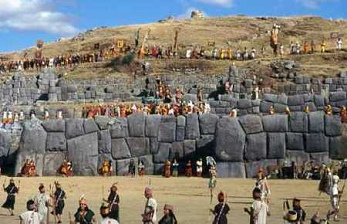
x: 59, y: 196
x: 169, y: 216
x: 83, y: 214
x: 11, y: 191
x: 113, y: 203
x: 221, y: 210
x: 301, y: 214
x: 132, y: 168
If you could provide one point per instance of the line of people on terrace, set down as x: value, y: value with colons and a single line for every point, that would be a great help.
x: 160, y: 52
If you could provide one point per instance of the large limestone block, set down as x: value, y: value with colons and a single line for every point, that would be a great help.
x: 333, y: 126
x: 192, y: 127
x: 138, y: 146
x: 189, y: 148
x: 275, y: 123
x: 296, y: 100
x: 208, y: 123
x: 230, y: 140
x: 178, y: 150
x: 256, y: 147
x: 54, y: 125
x: 153, y: 145
x: 298, y: 122
x: 90, y: 126
x: 52, y: 162
x: 119, y: 128
x: 167, y: 130
x: 231, y: 170
x: 83, y: 152
x: 56, y: 141
x: 74, y: 128
x: 337, y: 96
x: 277, y: 145
x: 163, y: 152
x: 319, y: 158
x: 5, y: 139
x: 104, y: 142
x: 152, y: 125
x: 299, y: 157
x: 295, y: 141
x: 316, y: 122
x: 316, y: 143
x: 102, y: 122
x: 335, y: 148
x: 136, y: 124
x: 251, y: 124
x: 120, y: 149
x: 181, y: 121
x: 180, y: 133
x: 33, y: 137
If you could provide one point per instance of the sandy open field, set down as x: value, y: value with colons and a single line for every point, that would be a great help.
x: 189, y: 196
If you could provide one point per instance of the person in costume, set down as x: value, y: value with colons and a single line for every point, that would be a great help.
x: 11, y: 191
x: 113, y: 202
x: 141, y: 168
x: 199, y: 168
x: 221, y: 210
x: 175, y: 166
x: 259, y: 210
x: 83, y: 214
x: 169, y: 216
x: 213, y: 181
x: 189, y: 170
x: 301, y: 214
x: 105, y: 168
x: 42, y: 201
x: 59, y: 196
x: 167, y: 169
x: 31, y: 216
x: 262, y: 184
x: 106, y: 219
x: 132, y: 168
x: 297, y: 215
x: 334, y: 197
x: 149, y: 215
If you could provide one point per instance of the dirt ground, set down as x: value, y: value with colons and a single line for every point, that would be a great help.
x: 189, y: 196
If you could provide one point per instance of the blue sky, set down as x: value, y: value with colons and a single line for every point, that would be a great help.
x: 22, y: 22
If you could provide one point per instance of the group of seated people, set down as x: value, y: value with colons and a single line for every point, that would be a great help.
x: 308, y: 171
x: 28, y: 169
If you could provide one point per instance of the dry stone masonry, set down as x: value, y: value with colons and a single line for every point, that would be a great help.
x: 240, y: 145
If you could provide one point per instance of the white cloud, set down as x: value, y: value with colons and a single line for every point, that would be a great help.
x: 34, y: 15
x: 224, y: 3
x: 312, y: 4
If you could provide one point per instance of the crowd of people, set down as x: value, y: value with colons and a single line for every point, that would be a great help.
x: 161, y: 52
x: 43, y: 205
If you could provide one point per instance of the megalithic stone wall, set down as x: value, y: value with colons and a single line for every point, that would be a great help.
x: 240, y: 145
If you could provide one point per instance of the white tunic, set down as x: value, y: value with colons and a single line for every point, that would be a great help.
x: 153, y: 204
x: 41, y: 201
x: 335, y: 186
x: 30, y: 217
x: 260, y: 209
